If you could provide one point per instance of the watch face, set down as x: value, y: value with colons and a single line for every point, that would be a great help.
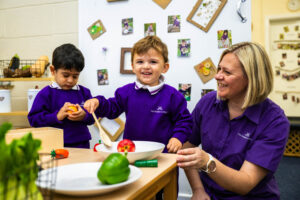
x: 212, y: 166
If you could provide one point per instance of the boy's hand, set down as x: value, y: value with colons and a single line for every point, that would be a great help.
x: 174, y: 145
x: 77, y: 115
x: 63, y: 112
x: 91, y: 105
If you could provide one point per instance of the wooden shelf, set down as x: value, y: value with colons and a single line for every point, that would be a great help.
x: 27, y: 79
x: 15, y: 113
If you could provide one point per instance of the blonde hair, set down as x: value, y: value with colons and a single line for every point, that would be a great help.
x: 257, y: 67
x: 143, y: 45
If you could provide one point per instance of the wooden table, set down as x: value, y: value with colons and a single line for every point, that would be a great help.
x: 152, y: 181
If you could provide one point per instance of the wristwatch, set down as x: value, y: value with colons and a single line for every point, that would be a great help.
x: 210, y: 165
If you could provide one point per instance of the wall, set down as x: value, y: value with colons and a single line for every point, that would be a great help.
x: 260, y: 10
x: 33, y: 28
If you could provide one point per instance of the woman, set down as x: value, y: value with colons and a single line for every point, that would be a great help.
x: 242, y: 132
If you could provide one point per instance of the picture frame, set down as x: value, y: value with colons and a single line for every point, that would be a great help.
x: 206, y: 70
x: 125, y: 61
x: 96, y: 29
x: 113, y: 128
x: 162, y: 3
x: 205, y: 12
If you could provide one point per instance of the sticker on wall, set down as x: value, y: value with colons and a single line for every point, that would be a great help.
x: 185, y: 90
x: 96, y: 29
x: 206, y: 70
x: 205, y: 91
x: 173, y: 23
x: 150, y: 29
x: 102, y: 76
x: 184, y: 47
x: 162, y: 3
x: 224, y: 39
x: 127, y: 26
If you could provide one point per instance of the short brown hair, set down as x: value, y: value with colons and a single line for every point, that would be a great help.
x: 257, y: 67
x: 143, y: 45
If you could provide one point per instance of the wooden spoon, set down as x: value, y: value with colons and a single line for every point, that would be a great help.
x: 104, y: 137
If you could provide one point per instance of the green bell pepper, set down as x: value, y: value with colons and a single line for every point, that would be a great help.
x: 114, y: 169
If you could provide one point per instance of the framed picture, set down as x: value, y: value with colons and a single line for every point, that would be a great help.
x: 113, y: 128
x: 162, y: 3
x: 125, y: 65
x: 205, y: 12
x: 206, y: 70
x: 96, y: 29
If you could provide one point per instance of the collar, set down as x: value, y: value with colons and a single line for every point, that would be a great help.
x: 152, y: 89
x: 55, y: 85
x: 252, y: 113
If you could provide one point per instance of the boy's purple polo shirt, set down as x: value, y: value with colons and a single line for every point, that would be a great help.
x: 149, y: 117
x: 47, y: 104
x: 258, y: 136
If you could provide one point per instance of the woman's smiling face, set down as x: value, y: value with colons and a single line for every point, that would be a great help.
x: 231, y: 79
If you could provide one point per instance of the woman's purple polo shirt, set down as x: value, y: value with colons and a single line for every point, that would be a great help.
x: 258, y: 136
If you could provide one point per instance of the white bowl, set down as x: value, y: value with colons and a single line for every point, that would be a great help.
x: 144, y: 150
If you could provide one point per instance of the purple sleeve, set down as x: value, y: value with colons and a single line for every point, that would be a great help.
x: 112, y: 107
x: 268, y: 148
x: 88, y: 119
x: 181, y: 117
x: 40, y: 114
x: 195, y: 137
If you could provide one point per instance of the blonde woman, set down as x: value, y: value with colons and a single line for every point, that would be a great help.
x: 242, y: 132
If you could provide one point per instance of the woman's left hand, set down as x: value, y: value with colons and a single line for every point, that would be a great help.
x: 192, y: 158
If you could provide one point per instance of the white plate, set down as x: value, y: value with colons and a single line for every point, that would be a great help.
x: 81, y: 179
x: 144, y: 150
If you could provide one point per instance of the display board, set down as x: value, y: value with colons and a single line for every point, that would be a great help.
x: 283, y: 45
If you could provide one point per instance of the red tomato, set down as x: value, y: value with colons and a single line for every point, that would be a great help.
x: 126, y: 145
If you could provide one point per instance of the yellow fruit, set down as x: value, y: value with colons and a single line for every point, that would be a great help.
x: 205, y: 71
x: 74, y: 109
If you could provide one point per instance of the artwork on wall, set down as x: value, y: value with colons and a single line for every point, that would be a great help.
x: 206, y: 70
x: 150, y: 29
x: 185, y: 90
x: 205, y: 13
x: 127, y: 26
x: 102, y: 77
x: 125, y: 65
x: 205, y: 91
x: 224, y: 39
x: 162, y: 3
x: 184, y: 47
x: 173, y: 23
x: 96, y: 29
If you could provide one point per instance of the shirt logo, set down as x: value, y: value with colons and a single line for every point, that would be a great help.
x: 159, y: 109
x: 245, y: 135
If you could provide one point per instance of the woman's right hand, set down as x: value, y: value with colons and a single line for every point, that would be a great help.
x: 192, y: 158
x: 200, y: 194
x: 91, y: 105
